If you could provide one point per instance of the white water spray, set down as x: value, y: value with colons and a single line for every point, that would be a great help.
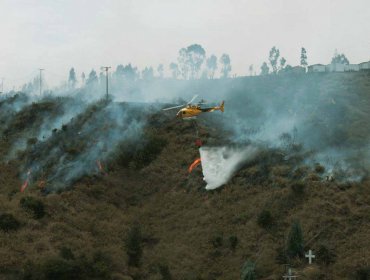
x: 220, y: 163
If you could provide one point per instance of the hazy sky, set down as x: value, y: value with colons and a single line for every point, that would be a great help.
x: 86, y: 34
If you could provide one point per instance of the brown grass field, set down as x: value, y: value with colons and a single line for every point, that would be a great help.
x: 185, y: 229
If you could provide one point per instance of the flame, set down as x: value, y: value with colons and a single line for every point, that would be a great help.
x: 25, y: 184
x: 194, y: 164
x: 100, y: 166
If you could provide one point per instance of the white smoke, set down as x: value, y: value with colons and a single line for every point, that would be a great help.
x: 220, y: 163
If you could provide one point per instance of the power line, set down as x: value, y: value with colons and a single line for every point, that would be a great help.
x: 106, y: 68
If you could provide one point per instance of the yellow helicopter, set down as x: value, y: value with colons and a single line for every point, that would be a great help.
x: 191, y: 111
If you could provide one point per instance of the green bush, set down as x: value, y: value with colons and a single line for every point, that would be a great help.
x: 134, y: 245
x: 164, y: 271
x: 34, y: 206
x: 217, y: 240
x: 139, y: 155
x: 248, y: 271
x: 233, y: 241
x: 66, y: 253
x: 325, y: 255
x: 265, y: 219
x: 319, y: 168
x: 295, y: 241
x: 298, y: 188
x: 99, y: 267
x: 8, y: 222
x: 362, y: 274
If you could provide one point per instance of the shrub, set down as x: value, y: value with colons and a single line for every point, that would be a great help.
x: 295, y: 241
x: 319, y: 168
x: 66, y: 253
x: 34, y: 206
x: 362, y: 274
x: 248, y: 271
x: 217, y: 240
x: 298, y: 188
x: 8, y: 222
x: 164, y: 271
x: 233, y: 241
x: 325, y: 255
x: 265, y: 219
x: 134, y: 246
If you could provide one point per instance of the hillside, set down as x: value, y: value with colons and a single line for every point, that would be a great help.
x: 107, y: 172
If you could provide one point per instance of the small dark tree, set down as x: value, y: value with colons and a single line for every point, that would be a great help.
x: 34, y: 206
x: 72, y: 78
x: 233, y: 241
x: 264, y: 69
x: 226, y: 65
x: 92, y: 80
x: 147, y: 74
x: 175, y: 70
x: 282, y: 63
x: 183, y: 60
x: 339, y: 58
x: 273, y: 58
x: 164, y: 271
x: 196, y: 55
x: 160, y: 70
x: 303, y: 57
x: 248, y: 271
x: 134, y: 246
x: 83, y: 77
x: 8, y: 222
x: 295, y: 241
x: 264, y: 219
x: 251, y: 70
x: 212, y: 66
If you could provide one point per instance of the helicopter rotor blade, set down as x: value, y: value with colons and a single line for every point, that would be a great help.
x: 170, y: 108
x: 194, y: 97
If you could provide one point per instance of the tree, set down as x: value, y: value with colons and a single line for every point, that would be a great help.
x: 190, y: 60
x: 160, y: 70
x: 175, y: 70
x: 303, y: 57
x: 83, y: 77
x: 147, y: 73
x: 126, y: 72
x: 251, y: 70
x: 226, y: 66
x: 92, y: 79
x: 339, y: 58
x: 248, y: 271
x: 265, y: 69
x: 295, y: 241
x: 196, y: 55
x: 273, y: 58
x: 72, y: 78
x: 282, y: 63
x: 133, y: 246
x: 212, y: 65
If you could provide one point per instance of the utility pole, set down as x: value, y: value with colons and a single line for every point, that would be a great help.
x: 41, y: 80
x: 106, y: 68
x: 2, y: 85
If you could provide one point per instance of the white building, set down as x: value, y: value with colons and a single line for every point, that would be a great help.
x: 316, y: 68
x: 352, y: 67
x: 335, y: 67
x: 365, y: 66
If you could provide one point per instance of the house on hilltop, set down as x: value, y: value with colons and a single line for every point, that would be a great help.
x: 364, y: 66
x: 316, y: 68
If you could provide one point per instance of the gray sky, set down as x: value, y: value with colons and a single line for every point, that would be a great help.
x: 87, y: 34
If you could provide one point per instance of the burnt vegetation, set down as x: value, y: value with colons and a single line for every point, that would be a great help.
x: 132, y: 211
